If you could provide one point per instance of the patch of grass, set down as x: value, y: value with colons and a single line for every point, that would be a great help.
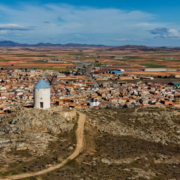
x: 61, y: 135
x: 156, y: 178
x: 33, y: 178
x: 1, y: 59
x: 154, y: 65
x: 133, y: 57
x: 151, y: 59
x: 177, y: 121
x: 7, y: 173
x: 26, y: 55
x: 20, y: 153
x: 98, y: 64
x: 178, y: 60
x: 89, y: 58
x: 142, y: 178
x: 76, y: 54
x: 121, y: 60
x: 135, y: 164
x: 119, y: 64
x: 72, y: 163
x: 73, y: 134
x: 56, y: 69
x: 45, y: 62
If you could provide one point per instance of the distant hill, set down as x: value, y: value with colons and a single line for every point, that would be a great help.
x: 10, y: 43
x: 14, y: 44
x: 110, y: 48
x: 143, y: 48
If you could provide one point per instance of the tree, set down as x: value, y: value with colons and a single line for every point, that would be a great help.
x: 125, y: 106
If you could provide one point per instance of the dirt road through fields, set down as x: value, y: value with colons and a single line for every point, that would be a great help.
x: 79, y: 148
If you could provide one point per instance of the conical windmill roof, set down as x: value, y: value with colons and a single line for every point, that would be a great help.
x: 42, y: 84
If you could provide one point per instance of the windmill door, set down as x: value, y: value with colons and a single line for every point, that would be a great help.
x: 41, y: 104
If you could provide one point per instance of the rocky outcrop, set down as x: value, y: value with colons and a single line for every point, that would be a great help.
x: 141, y: 173
x: 70, y: 115
x: 121, y: 161
x: 155, y: 158
x: 31, y: 130
x: 29, y: 121
x: 157, y: 127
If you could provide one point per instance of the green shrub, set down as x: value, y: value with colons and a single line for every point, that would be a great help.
x: 72, y: 162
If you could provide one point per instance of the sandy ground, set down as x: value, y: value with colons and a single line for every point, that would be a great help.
x: 79, y: 148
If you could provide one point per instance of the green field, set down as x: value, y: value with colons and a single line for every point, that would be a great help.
x: 133, y: 57
x: 56, y: 69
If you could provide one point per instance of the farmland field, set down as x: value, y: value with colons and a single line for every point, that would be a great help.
x: 44, y: 57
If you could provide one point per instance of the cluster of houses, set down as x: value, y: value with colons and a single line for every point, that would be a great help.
x: 17, y: 89
x: 141, y: 94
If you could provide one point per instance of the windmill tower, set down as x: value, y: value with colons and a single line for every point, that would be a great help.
x: 42, y: 95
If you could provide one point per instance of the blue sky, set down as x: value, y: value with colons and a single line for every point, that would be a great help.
x: 137, y: 22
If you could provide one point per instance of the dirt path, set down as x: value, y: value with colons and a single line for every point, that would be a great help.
x: 79, y: 148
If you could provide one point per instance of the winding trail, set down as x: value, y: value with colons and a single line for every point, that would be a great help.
x: 79, y: 148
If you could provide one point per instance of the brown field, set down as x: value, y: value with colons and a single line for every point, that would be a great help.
x: 33, y: 57
x: 155, y: 73
x: 139, y: 59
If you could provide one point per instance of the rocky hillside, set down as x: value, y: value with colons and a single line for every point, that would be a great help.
x: 134, y: 145
x: 31, y: 130
x: 155, y: 126
x: 126, y: 144
x: 34, y: 120
x: 120, y: 144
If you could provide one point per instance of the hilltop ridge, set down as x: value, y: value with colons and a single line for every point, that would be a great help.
x: 15, y: 44
x: 143, y: 48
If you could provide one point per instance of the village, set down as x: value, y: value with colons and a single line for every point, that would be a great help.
x: 66, y: 114
x: 115, y: 90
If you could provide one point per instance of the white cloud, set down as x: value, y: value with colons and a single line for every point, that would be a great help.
x: 9, y: 33
x: 174, y: 33
x: 165, y: 33
x: 64, y: 24
x: 15, y: 27
x: 71, y: 19
x: 122, y: 39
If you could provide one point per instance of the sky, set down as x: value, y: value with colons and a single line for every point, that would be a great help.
x: 111, y: 23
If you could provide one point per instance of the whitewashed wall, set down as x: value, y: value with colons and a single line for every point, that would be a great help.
x: 42, y: 95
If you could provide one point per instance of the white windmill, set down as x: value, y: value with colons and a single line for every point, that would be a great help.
x: 42, y: 95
